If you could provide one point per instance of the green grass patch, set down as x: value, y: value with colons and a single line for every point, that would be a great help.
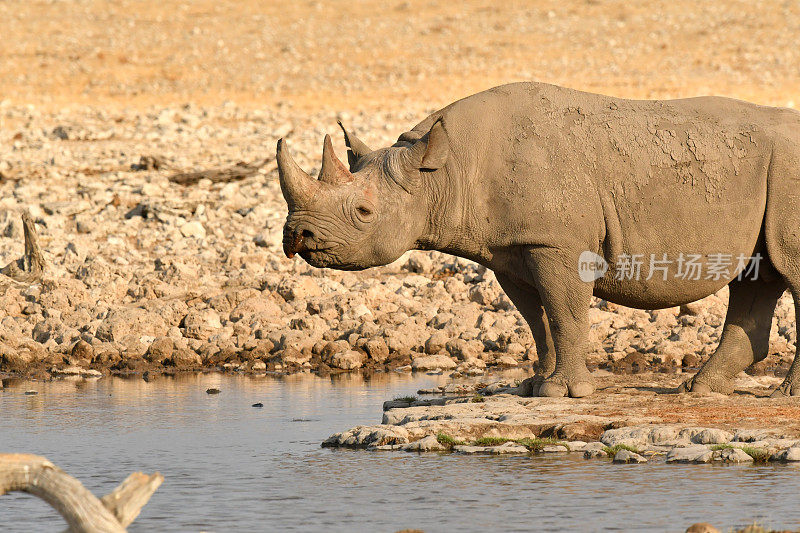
x: 759, y: 455
x: 537, y: 444
x: 478, y: 398
x: 407, y: 399
x: 534, y: 445
x: 718, y: 447
x: 490, y: 441
x: 612, y: 450
x: 447, y: 441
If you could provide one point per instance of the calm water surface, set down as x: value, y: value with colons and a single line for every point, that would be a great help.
x: 231, y: 467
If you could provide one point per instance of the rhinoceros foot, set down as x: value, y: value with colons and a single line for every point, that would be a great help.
x: 530, y: 386
x: 786, y: 389
x: 557, y: 386
x: 718, y: 384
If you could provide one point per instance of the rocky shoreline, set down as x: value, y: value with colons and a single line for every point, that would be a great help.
x: 144, y: 274
x: 629, y: 421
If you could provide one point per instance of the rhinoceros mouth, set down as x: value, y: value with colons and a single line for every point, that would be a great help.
x: 322, y: 258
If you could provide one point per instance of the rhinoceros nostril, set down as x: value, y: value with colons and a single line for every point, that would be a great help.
x: 307, y: 234
x: 292, y: 244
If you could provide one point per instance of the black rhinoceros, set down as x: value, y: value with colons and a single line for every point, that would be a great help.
x: 565, y: 195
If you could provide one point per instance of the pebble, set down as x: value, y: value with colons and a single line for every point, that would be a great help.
x: 555, y: 448
x: 702, y: 527
x: 425, y: 444
x: 690, y: 454
x: 734, y: 455
x: 193, y: 229
x: 626, y: 456
x: 433, y: 362
x: 790, y: 455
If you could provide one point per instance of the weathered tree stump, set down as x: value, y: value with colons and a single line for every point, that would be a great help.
x: 82, y: 510
x: 30, y: 267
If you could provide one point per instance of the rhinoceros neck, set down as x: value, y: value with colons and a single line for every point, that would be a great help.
x: 452, y: 221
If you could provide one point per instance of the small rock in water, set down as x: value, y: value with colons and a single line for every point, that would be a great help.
x: 212, y: 391
x: 509, y: 448
x: 259, y: 404
x: 790, y: 455
x: 734, y: 455
x: 702, y: 527
x: 712, y: 436
x: 555, y: 448
x: 592, y: 453
x: 626, y: 456
x: 31, y: 392
x: 426, y: 444
x: 690, y: 454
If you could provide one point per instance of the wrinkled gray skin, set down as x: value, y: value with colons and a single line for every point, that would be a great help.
x: 522, y: 178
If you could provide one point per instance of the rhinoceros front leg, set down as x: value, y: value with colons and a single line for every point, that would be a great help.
x: 529, y: 304
x: 565, y: 299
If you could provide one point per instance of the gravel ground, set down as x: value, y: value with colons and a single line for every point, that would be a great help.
x: 145, y: 274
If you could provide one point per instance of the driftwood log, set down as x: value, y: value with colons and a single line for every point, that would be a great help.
x: 30, y: 267
x: 237, y: 172
x: 82, y: 510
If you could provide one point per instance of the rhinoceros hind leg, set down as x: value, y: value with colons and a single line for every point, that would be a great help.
x: 786, y: 389
x: 791, y: 383
x: 745, y: 336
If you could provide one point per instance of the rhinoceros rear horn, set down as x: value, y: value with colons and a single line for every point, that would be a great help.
x: 431, y: 150
x: 297, y: 187
x: 333, y: 171
x: 355, y: 148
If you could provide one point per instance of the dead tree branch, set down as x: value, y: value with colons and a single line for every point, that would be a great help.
x: 80, y: 508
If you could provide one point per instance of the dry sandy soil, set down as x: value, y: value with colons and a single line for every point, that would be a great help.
x: 150, y: 275
x: 399, y: 54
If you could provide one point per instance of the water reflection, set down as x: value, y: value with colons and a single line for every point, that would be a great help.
x: 229, y: 466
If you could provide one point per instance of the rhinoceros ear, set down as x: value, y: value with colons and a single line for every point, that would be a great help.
x: 355, y: 148
x: 431, y: 150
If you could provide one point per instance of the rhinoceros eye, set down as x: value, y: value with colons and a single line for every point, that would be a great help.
x: 363, y: 213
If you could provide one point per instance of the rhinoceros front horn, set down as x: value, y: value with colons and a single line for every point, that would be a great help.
x: 297, y: 187
x: 333, y: 171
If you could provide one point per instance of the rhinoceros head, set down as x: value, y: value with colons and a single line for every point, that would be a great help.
x: 364, y: 216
